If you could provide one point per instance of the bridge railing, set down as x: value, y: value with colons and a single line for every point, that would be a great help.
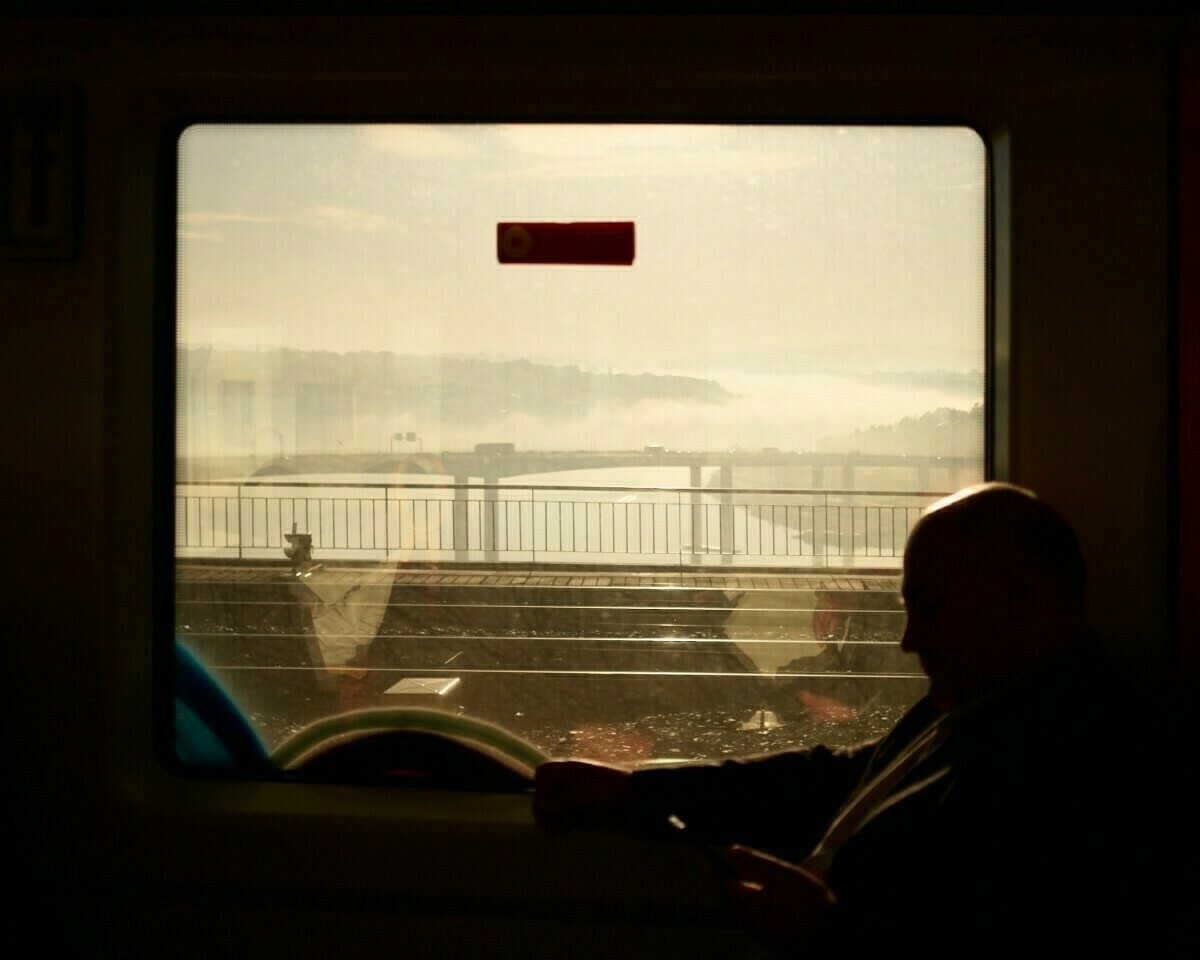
x: 546, y: 524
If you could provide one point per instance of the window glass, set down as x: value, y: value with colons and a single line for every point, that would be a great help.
x: 650, y: 510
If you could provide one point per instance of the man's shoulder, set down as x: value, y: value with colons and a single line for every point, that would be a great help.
x: 1073, y: 722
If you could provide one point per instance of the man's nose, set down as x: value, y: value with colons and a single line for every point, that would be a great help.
x: 909, y: 640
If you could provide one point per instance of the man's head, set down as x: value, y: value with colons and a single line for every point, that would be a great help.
x: 993, y: 584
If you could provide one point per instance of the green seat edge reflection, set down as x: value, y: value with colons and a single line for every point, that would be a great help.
x: 462, y: 728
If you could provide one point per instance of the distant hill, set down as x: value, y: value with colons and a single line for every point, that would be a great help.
x: 465, y: 390
x: 944, y: 432
x: 968, y: 383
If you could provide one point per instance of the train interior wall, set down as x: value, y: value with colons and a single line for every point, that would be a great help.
x: 1096, y: 362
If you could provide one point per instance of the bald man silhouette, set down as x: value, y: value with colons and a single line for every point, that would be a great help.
x: 1020, y: 808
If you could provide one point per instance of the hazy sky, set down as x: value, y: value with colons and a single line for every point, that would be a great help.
x: 762, y: 248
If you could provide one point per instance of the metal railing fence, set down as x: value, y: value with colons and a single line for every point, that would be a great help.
x: 501, y: 522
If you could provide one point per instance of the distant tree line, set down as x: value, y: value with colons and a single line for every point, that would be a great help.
x: 944, y: 432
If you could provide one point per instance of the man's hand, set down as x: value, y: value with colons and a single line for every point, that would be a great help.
x: 780, y: 903
x: 572, y: 792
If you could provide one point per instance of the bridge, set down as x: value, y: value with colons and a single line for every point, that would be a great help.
x: 494, y: 462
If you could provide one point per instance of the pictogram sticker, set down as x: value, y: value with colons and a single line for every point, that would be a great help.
x: 608, y: 242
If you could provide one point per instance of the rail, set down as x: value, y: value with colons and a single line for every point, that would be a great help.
x: 545, y: 524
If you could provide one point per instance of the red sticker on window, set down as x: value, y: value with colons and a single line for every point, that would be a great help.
x: 608, y: 242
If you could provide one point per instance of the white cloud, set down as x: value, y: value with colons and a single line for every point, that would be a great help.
x: 201, y: 235
x: 227, y: 216
x: 628, y: 165
x: 352, y: 220
x: 567, y: 140
x: 420, y: 141
x: 347, y: 219
x: 602, y: 151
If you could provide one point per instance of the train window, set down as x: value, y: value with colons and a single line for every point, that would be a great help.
x: 438, y: 446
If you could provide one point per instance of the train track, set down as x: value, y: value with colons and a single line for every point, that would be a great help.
x: 647, y: 665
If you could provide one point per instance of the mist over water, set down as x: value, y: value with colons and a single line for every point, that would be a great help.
x: 791, y: 412
x: 233, y: 406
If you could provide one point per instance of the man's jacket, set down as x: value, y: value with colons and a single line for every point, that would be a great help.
x: 1049, y: 818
